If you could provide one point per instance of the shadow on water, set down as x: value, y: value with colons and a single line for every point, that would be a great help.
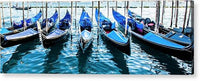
x: 21, y: 51
x: 53, y: 55
x: 118, y: 57
x: 83, y: 59
x: 166, y: 60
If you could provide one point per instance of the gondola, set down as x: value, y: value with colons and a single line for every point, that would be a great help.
x: 26, y: 35
x: 85, y: 29
x: 136, y: 29
x: 166, y: 33
x: 59, y: 33
x: 21, y: 8
x: 31, y: 22
x: 111, y: 34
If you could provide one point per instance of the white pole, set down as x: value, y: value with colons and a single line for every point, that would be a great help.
x: 59, y: 9
x: 185, y: 16
x: 92, y: 9
x: 2, y: 12
x: 28, y: 9
x: 10, y: 14
x: 46, y: 18
x: 116, y: 6
x: 107, y: 9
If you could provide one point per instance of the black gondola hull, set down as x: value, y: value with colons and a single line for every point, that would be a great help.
x: 182, y: 53
x: 50, y: 42
x: 125, y: 48
x: 10, y: 43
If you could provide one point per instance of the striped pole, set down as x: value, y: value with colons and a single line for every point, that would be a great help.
x: 185, y: 16
x: 172, y: 13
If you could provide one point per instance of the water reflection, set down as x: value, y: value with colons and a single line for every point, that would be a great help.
x: 168, y: 63
x: 118, y: 57
x: 83, y: 59
x: 21, y: 51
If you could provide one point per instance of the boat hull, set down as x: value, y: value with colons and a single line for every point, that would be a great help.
x: 49, y: 42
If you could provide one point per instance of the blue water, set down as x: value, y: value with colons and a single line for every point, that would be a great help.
x: 100, y: 58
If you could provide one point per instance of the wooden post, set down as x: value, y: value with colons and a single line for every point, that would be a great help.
x: 163, y: 11
x: 172, y: 13
x: 141, y: 7
x: 24, y: 21
x: 116, y: 6
x: 126, y: 15
x: 185, y: 16
x: 124, y: 8
x: 75, y: 12
x: 107, y: 9
x: 59, y: 10
x: 92, y: 9
x: 2, y: 13
x: 157, y: 16
x: 28, y: 9
x: 72, y: 11
x: 10, y: 13
x: 188, y: 20
x: 0, y: 22
x: 177, y: 5
x: 42, y: 11
x: 46, y: 18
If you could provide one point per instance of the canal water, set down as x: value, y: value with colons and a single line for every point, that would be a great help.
x: 100, y: 58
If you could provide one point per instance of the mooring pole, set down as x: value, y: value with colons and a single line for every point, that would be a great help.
x: 188, y: 20
x: 107, y: 9
x: 186, y: 5
x: 75, y: 12
x: 124, y: 8
x: 0, y: 22
x: 141, y: 7
x: 59, y: 10
x: 163, y: 11
x: 10, y: 13
x: 72, y: 11
x: 177, y: 5
x: 157, y: 16
x: 92, y: 9
x: 172, y: 14
x: 71, y: 20
x: 42, y: 11
x: 46, y: 18
x: 2, y: 13
x: 98, y: 23
x: 24, y: 22
x: 28, y: 9
x: 126, y: 15
x: 116, y: 6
